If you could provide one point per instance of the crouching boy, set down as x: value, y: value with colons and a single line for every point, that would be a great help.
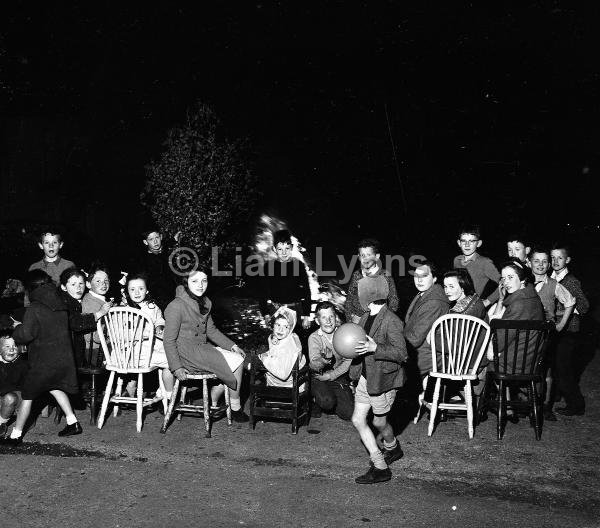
x: 378, y: 369
x: 12, y: 374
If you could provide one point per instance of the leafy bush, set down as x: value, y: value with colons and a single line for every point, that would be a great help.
x: 201, y: 187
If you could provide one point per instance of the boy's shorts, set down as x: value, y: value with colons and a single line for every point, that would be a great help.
x: 381, y: 404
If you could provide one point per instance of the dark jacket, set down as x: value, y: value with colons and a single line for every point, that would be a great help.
x: 384, y: 366
x: 161, y: 279
x: 79, y: 324
x: 12, y: 375
x: 45, y: 331
x: 420, y: 316
x: 522, y: 305
x: 352, y: 306
x: 285, y: 283
x: 186, y: 336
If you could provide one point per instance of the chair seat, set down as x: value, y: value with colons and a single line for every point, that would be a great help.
x: 516, y: 377
x: 454, y: 377
x: 202, y: 375
x: 120, y: 370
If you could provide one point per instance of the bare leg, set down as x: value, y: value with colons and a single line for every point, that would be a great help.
x: 63, y: 402
x: 22, y: 414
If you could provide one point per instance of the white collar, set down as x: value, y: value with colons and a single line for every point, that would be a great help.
x: 560, y: 275
x: 101, y: 297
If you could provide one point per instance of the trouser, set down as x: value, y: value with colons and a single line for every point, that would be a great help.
x: 333, y: 396
x: 567, y: 345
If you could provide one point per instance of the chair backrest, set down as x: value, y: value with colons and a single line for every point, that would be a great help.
x: 519, y: 346
x: 458, y: 343
x: 130, y: 332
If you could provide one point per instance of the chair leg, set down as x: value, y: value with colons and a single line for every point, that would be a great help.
x: 182, y: 400
x: 93, y: 396
x: 537, y: 415
x: 421, y: 400
x: 170, y: 408
x: 228, y: 405
x: 501, y: 409
x: 107, y: 391
x: 118, y: 392
x: 469, y: 404
x: 163, y: 391
x: 295, y: 425
x: 434, y: 406
x: 482, y: 401
x: 205, y: 406
x: 140, y: 402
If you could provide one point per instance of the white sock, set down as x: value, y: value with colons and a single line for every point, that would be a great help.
x: 235, y: 403
x: 16, y: 433
x: 71, y: 419
x: 3, y: 420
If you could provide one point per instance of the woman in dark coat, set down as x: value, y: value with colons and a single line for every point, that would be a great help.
x: 188, y: 328
x: 45, y: 331
x: 518, y: 302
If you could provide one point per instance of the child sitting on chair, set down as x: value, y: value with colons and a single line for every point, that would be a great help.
x: 12, y: 374
x: 137, y: 296
x: 284, y: 350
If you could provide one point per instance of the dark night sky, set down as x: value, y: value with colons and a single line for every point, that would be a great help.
x: 493, y: 108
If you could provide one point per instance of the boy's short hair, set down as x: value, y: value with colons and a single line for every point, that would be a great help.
x: 52, y: 232
x: 95, y: 268
x: 369, y: 242
x: 430, y: 264
x: 71, y: 272
x: 562, y: 247
x: 516, y: 237
x: 36, y: 278
x: 324, y: 305
x: 464, y: 280
x: 472, y: 229
x: 283, y: 236
x: 146, y: 233
x: 539, y: 249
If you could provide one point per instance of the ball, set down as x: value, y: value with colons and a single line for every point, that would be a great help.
x: 346, y: 337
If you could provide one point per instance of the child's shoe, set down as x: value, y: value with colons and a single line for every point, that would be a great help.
x: 391, y: 455
x: 3, y: 429
x: 239, y: 416
x: 11, y: 442
x: 71, y: 430
x: 374, y: 475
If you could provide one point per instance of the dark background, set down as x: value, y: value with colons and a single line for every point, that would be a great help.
x: 492, y: 111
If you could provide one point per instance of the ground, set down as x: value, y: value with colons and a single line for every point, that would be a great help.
x: 268, y: 477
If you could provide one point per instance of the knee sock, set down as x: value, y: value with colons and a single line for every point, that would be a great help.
x: 235, y: 403
x: 71, y: 419
x: 16, y: 433
x: 378, y: 460
x: 389, y: 447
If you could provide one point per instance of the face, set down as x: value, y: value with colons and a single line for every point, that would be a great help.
x: 50, y: 245
x: 559, y: 259
x: 75, y: 287
x: 197, y: 283
x: 452, y: 289
x: 468, y: 244
x: 8, y: 349
x: 540, y: 263
x: 154, y: 242
x: 137, y: 290
x: 99, y: 283
x: 517, y: 250
x: 326, y: 319
x: 281, y: 328
x: 368, y: 257
x: 510, y: 280
x: 423, y: 278
x: 283, y: 251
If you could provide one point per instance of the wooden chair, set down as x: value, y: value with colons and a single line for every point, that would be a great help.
x: 517, y: 364
x: 279, y: 402
x: 91, y: 367
x: 458, y: 343
x: 127, y: 329
x: 183, y: 407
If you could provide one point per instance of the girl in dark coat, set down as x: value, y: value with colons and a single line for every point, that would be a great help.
x: 45, y: 331
x: 72, y: 285
x: 188, y: 327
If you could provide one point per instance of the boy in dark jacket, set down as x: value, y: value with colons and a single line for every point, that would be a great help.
x: 379, y: 372
x: 12, y: 373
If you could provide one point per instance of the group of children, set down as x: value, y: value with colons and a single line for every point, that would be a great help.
x: 352, y: 388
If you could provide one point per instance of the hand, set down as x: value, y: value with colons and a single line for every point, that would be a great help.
x: 323, y: 377
x: 160, y: 330
x: 501, y: 291
x: 366, y: 347
x: 306, y: 322
x: 238, y: 350
x: 181, y: 373
x: 105, y: 308
x: 355, y: 319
